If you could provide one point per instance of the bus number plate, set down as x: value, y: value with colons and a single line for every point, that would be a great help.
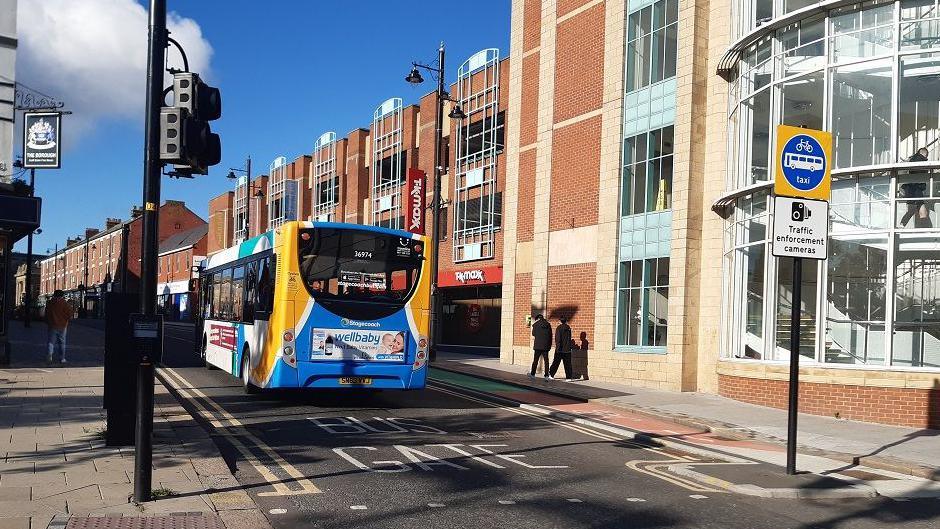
x: 355, y: 381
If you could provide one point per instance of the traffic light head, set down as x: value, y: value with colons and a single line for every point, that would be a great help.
x: 186, y: 138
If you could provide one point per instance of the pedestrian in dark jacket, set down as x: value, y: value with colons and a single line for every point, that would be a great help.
x: 562, y: 349
x: 542, y: 343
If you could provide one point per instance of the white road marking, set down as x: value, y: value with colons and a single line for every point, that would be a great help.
x: 671, y: 432
x: 358, y: 507
x: 280, y: 489
x: 278, y: 511
x: 574, y: 500
x: 435, y: 505
x: 506, y: 502
x: 518, y: 411
x: 698, y: 496
x: 635, y: 500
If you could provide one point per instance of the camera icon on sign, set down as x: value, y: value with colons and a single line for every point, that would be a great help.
x: 799, y: 213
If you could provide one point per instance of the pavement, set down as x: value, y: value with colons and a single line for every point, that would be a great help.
x: 910, y: 451
x: 56, y: 471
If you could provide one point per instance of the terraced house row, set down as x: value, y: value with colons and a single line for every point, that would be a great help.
x: 615, y: 169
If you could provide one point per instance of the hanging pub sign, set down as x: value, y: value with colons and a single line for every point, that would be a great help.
x: 42, y: 140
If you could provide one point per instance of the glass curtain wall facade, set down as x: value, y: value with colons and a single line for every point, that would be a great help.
x: 870, y: 74
x: 646, y: 178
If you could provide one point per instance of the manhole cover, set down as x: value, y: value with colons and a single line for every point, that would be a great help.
x: 201, y: 521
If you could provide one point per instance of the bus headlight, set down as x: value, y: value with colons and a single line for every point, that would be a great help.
x: 288, y: 351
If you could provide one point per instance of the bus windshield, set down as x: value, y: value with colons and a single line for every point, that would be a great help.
x: 342, y: 264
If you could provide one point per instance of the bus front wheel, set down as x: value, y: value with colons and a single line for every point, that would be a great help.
x: 249, y: 388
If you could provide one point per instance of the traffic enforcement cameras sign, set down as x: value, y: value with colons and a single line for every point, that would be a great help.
x: 801, y: 228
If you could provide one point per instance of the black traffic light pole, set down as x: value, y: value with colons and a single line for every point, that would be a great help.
x: 156, y: 47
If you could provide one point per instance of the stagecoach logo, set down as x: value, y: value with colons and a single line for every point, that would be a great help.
x: 470, y: 275
x: 353, y: 323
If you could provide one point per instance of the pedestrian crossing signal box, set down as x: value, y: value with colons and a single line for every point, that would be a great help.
x: 147, y: 336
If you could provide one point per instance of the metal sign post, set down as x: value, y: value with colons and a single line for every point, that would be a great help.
x: 800, y: 231
x: 143, y: 453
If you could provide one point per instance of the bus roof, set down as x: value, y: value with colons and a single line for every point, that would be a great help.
x: 265, y: 241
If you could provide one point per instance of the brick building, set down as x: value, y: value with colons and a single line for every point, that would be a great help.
x: 177, y: 255
x: 104, y: 259
x: 614, y: 184
x: 360, y: 178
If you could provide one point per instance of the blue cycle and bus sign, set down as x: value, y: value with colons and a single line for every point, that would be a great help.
x: 803, y: 163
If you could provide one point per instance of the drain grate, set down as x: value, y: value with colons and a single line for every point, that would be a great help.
x: 186, y: 521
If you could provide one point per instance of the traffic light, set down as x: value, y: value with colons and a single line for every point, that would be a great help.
x: 186, y: 139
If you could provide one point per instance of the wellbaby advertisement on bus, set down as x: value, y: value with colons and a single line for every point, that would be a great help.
x: 356, y: 344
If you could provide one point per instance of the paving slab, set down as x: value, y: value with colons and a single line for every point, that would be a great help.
x: 53, y: 460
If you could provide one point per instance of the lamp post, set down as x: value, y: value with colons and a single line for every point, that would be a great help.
x: 29, y: 251
x: 246, y: 223
x: 456, y: 113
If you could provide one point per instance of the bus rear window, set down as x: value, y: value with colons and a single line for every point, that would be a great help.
x: 358, y: 265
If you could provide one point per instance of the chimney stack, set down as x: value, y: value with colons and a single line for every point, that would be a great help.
x: 91, y: 232
x: 136, y: 211
x: 111, y: 222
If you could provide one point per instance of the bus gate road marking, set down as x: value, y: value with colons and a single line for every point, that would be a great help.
x: 280, y: 489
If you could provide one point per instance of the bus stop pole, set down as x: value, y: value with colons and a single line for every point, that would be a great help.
x: 794, y: 397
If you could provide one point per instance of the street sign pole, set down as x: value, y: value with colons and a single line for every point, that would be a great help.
x: 794, y: 397
x: 143, y: 453
x: 802, y: 185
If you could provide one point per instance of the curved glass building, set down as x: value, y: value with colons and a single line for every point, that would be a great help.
x: 870, y: 74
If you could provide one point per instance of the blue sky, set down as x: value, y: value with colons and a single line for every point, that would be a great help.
x: 288, y: 71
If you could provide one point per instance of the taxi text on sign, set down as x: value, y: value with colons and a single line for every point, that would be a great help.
x: 804, y: 160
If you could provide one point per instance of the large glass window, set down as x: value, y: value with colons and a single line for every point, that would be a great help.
x: 807, y: 345
x: 643, y: 302
x: 860, y: 203
x: 917, y: 301
x: 919, y: 107
x: 647, y: 172
x: 856, y: 294
x: 918, y: 194
x: 803, y: 101
x: 859, y: 34
x: 861, y: 114
x: 651, y: 44
x: 755, y: 137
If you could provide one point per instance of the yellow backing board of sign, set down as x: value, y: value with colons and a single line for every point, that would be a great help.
x: 803, y: 163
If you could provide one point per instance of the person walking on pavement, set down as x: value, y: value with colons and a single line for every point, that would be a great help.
x: 562, y: 349
x: 58, y: 314
x: 542, y: 332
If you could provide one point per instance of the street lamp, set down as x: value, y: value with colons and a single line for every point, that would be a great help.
x: 414, y: 77
x: 246, y: 224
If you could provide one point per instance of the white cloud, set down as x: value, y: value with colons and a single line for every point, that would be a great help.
x: 92, y: 54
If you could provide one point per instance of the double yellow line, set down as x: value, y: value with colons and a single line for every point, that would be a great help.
x: 234, y: 431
